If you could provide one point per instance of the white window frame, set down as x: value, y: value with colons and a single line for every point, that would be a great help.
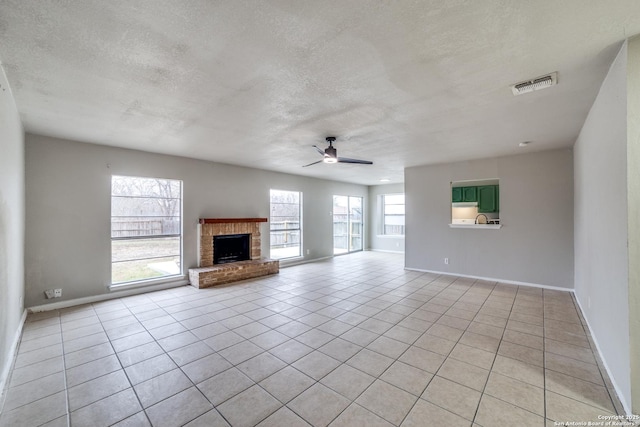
x: 177, y: 234
x: 385, y: 214
x: 273, y: 229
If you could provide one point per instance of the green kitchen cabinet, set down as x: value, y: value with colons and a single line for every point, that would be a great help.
x: 464, y: 194
x: 456, y: 194
x: 469, y: 194
x: 488, y: 197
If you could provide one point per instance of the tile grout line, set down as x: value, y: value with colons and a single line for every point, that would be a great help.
x: 484, y: 388
x: 456, y: 342
x: 64, y: 373
x: 232, y: 366
x: 544, y: 354
x: 433, y: 323
x: 5, y: 393
x: 166, y: 353
x: 214, y: 407
x: 122, y: 367
x: 103, y: 330
x: 64, y: 376
x: 353, y: 401
x: 64, y: 354
x: 115, y: 353
x: 315, y: 382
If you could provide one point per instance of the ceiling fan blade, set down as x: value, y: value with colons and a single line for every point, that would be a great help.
x: 311, y: 164
x: 348, y: 160
x: 321, y: 151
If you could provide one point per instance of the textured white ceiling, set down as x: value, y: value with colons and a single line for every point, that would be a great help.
x: 256, y: 83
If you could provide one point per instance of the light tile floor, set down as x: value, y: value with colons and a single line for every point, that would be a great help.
x: 351, y: 341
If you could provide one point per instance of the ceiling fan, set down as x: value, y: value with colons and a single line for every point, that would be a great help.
x: 330, y: 155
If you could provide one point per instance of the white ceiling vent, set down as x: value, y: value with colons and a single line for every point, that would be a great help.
x: 538, y: 83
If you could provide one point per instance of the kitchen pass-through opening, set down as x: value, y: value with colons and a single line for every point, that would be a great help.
x: 475, y: 202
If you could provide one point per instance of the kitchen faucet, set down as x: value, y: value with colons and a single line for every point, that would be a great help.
x: 486, y: 220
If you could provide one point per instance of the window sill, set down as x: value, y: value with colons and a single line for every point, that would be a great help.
x: 177, y: 279
x: 477, y: 226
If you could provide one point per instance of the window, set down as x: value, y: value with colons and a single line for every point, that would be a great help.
x: 146, y: 228
x: 393, y: 214
x: 286, y: 224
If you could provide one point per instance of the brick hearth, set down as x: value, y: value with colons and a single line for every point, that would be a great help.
x: 210, y: 274
x: 232, y: 272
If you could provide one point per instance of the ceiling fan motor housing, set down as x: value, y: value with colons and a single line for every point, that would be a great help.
x: 331, y: 152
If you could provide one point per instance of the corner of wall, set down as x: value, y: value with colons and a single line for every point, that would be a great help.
x: 633, y: 212
x: 10, y: 361
x: 12, y: 228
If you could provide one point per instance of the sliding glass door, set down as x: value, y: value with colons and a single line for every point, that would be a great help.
x: 347, y: 224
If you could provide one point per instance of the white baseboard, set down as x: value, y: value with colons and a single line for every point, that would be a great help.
x: 119, y: 293
x: 286, y: 264
x: 625, y: 404
x: 385, y: 251
x: 491, y: 279
x: 11, y: 358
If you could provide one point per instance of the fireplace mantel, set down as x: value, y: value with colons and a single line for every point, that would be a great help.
x: 230, y: 220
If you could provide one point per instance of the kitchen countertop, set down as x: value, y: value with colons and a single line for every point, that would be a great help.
x: 477, y: 226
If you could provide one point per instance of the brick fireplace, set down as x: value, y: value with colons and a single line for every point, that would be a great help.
x: 209, y: 274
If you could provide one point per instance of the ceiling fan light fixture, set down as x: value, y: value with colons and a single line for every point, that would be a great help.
x: 329, y: 159
x: 330, y: 154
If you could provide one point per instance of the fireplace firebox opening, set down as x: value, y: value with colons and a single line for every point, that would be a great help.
x: 231, y: 248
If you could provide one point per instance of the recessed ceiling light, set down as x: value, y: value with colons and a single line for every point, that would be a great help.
x: 385, y: 180
x: 524, y: 143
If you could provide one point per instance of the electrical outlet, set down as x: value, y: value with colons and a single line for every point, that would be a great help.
x: 446, y: 260
x: 308, y: 251
x: 53, y: 293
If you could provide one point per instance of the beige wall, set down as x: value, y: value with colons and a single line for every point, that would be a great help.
x: 535, y: 244
x: 11, y: 227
